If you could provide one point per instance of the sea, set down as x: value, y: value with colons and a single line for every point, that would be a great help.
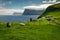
x: 17, y: 18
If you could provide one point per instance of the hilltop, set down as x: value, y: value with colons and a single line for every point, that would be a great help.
x: 52, y: 8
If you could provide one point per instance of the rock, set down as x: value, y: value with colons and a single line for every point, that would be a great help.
x: 22, y: 24
x: 34, y: 20
x: 43, y: 17
x: 49, y: 18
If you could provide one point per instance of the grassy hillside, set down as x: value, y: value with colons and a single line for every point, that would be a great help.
x: 40, y: 30
x: 52, y: 8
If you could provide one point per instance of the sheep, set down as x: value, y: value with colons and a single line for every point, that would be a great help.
x: 22, y: 24
x: 8, y: 24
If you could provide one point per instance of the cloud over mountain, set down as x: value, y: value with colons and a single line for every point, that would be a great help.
x: 40, y: 7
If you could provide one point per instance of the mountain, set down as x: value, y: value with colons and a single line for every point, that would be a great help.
x: 17, y: 13
x: 36, y: 10
x: 52, y: 9
x: 32, y: 12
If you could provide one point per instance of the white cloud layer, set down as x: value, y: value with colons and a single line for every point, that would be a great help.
x: 4, y: 11
x: 9, y: 11
x: 40, y: 7
x: 1, y: 5
x: 49, y: 1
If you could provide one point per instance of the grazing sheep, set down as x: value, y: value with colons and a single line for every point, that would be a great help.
x: 8, y: 24
x: 22, y: 24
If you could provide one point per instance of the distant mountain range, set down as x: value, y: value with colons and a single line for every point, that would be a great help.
x: 17, y: 13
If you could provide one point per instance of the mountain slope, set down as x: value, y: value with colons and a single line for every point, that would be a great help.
x: 54, y: 8
x: 36, y: 10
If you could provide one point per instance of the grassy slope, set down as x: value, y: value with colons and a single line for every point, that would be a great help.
x: 41, y: 30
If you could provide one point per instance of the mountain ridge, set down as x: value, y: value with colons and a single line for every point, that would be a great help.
x: 52, y: 8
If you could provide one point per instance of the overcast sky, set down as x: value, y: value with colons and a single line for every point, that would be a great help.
x: 10, y: 6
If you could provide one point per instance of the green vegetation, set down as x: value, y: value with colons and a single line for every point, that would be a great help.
x: 40, y: 30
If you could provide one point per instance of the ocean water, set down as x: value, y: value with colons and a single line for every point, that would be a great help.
x: 17, y: 18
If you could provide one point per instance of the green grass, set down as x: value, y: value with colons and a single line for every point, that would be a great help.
x: 32, y: 31
x: 40, y: 30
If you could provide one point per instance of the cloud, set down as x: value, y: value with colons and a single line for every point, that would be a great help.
x: 50, y: 1
x: 4, y: 11
x: 10, y: 2
x: 44, y: 1
x: 9, y: 11
x: 40, y: 7
x: 1, y: 5
x: 58, y: 2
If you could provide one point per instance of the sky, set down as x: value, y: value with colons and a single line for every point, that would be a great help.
x: 10, y: 6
